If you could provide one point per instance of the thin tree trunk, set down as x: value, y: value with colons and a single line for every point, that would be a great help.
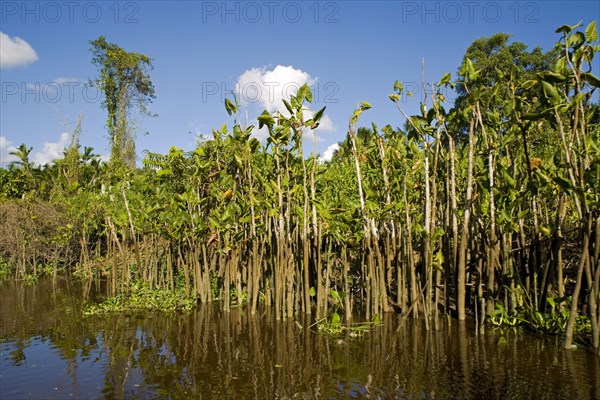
x: 578, y: 280
x: 464, y: 239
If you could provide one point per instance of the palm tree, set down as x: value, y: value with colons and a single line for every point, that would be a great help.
x: 22, y: 153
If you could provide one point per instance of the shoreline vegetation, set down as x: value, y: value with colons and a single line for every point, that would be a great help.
x: 488, y: 209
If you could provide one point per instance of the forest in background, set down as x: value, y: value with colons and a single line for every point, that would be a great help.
x: 488, y: 208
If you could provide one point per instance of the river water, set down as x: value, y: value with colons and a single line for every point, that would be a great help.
x: 49, y: 351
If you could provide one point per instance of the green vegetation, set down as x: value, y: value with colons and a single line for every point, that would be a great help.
x: 553, y: 322
x: 124, y: 80
x: 141, y: 298
x: 465, y: 210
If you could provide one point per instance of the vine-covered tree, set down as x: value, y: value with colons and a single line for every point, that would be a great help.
x: 125, y: 82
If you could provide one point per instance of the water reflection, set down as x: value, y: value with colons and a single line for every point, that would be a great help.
x: 49, y: 351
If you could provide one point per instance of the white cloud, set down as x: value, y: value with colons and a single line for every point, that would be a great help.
x: 326, y: 124
x: 268, y: 87
x: 6, y: 148
x: 326, y: 157
x: 15, y: 52
x: 51, y: 151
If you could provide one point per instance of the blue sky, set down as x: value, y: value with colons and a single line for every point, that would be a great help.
x: 349, y: 51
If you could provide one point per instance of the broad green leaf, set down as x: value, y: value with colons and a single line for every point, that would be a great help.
x: 431, y: 114
x: 467, y: 69
x: 589, y: 140
x: 254, y: 143
x: 288, y: 106
x: 514, y: 72
x: 309, y: 94
x: 364, y: 105
x: 214, y: 222
x: 394, y: 97
x: 591, y: 33
x: 238, y: 160
x: 529, y: 84
x: 563, y: 28
x: 319, y: 114
x: 576, y: 40
x: 265, y: 119
x: 336, y: 320
x: 355, y: 116
x: 413, y: 147
x: 561, y: 66
x: 591, y: 79
x: 237, y: 131
x: 304, y: 93
x: 445, y: 79
x: 551, y: 92
x: 568, y: 28
x: 553, y: 77
x: 230, y: 107
x: 508, y: 179
x: 312, y: 292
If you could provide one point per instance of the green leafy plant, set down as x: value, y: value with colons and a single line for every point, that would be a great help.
x: 141, y: 297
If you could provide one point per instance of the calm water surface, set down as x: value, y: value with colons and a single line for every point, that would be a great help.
x: 48, y: 351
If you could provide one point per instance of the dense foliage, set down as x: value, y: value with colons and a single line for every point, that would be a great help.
x: 490, y: 205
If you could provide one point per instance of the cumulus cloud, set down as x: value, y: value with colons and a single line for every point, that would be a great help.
x: 328, y: 154
x: 15, y: 52
x: 51, y: 150
x: 6, y: 147
x: 266, y: 88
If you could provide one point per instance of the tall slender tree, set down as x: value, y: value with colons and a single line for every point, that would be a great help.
x: 125, y: 82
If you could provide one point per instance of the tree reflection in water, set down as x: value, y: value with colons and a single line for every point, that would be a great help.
x: 50, y: 351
